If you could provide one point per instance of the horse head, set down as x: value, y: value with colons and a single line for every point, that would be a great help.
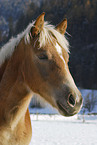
x: 48, y: 73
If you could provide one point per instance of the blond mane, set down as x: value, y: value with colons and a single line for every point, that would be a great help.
x: 45, y: 36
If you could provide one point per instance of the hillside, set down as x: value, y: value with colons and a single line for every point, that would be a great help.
x: 10, y: 11
x: 82, y: 25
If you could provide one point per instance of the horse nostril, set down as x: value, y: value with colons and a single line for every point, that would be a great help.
x: 71, y: 100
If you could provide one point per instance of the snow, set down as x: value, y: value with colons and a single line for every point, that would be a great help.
x: 54, y: 129
x: 46, y: 110
x: 59, y: 130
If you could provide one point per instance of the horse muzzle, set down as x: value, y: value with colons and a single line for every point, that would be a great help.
x: 70, y: 106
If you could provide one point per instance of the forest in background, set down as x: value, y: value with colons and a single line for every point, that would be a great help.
x: 82, y: 26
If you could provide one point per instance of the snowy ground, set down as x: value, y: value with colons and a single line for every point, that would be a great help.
x: 59, y: 130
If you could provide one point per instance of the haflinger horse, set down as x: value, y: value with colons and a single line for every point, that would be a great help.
x: 36, y: 61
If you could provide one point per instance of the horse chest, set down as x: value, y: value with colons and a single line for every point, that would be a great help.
x: 20, y: 135
x: 13, y: 138
x: 7, y: 138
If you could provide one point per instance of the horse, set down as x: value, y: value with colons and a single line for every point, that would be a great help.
x: 35, y: 61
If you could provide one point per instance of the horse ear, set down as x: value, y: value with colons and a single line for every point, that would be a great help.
x: 61, y: 27
x: 38, y: 25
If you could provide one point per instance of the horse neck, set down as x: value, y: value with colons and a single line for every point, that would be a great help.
x: 14, y: 94
x: 2, y: 69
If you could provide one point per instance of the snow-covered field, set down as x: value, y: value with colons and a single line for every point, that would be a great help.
x: 54, y: 129
x: 59, y: 130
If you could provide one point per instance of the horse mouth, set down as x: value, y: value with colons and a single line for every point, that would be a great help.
x: 64, y: 110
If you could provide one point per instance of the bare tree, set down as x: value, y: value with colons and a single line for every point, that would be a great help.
x: 90, y: 101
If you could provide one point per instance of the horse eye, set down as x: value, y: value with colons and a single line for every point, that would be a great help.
x: 43, y: 57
